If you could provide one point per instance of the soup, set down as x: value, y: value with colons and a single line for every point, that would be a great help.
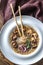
x: 24, y: 45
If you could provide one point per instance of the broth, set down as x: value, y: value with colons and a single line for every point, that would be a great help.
x: 23, y: 45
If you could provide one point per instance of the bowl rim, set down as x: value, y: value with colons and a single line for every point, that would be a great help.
x: 32, y: 20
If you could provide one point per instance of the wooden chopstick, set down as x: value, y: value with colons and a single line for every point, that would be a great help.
x: 15, y: 18
x: 21, y: 20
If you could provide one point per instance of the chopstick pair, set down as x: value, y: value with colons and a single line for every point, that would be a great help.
x: 16, y: 20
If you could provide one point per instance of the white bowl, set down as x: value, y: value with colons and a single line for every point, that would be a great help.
x: 6, y: 38
x: 7, y: 50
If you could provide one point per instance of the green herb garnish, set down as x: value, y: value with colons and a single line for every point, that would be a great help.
x: 28, y: 44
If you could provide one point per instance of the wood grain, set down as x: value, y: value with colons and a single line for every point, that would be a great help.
x: 1, y: 20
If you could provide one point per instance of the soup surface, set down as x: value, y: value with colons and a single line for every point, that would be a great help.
x: 24, y: 45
